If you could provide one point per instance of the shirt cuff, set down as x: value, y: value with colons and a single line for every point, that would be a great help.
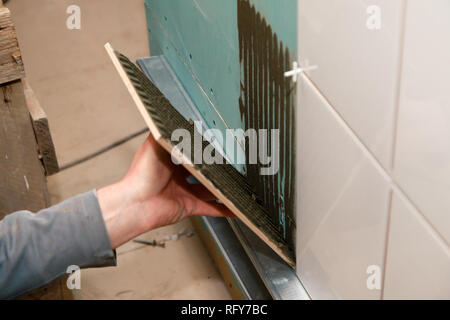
x: 92, y: 228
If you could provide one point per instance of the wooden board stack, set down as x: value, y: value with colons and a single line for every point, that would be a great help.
x: 11, y: 64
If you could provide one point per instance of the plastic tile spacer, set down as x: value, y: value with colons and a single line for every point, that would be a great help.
x: 296, y: 71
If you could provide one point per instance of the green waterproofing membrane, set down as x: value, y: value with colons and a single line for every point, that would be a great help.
x: 230, y: 57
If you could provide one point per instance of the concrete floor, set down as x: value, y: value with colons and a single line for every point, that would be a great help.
x: 88, y: 108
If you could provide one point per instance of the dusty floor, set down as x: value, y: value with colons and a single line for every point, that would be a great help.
x: 88, y: 108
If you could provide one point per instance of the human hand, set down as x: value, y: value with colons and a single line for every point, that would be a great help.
x: 154, y: 193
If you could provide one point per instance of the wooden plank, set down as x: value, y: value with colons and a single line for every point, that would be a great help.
x: 22, y: 181
x: 57, y: 290
x: 278, y: 247
x: 42, y: 131
x: 11, y: 64
x: 23, y: 184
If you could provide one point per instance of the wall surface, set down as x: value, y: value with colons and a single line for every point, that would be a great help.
x: 373, y: 146
x: 374, y: 149
x: 230, y: 57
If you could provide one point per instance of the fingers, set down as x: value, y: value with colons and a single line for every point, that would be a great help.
x: 197, y: 193
x: 180, y: 174
x: 208, y: 209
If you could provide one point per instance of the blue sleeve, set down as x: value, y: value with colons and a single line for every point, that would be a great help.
x: 37, y: 248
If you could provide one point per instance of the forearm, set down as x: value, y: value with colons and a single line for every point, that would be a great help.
x: 38, y: 248
x: 125, y: 216
x: 120, y: 213
x: 84, y: 230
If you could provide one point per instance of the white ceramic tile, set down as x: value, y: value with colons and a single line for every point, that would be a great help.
x: 342, y: 204
x: 422, y: 159
x: 357, y: 67
x: 418, y: 261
